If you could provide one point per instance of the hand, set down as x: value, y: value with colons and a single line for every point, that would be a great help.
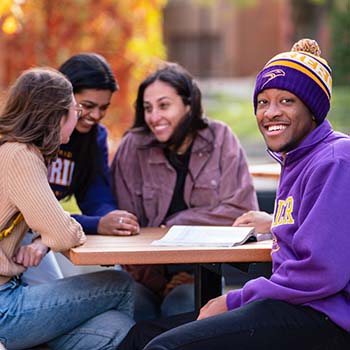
x: 259, y: 219
x: 118, y: 223
x: 177, y: 280
x: 31, y: 255
x: 213, y: 307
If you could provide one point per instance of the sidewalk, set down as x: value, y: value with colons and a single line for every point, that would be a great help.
x: 241, y: 88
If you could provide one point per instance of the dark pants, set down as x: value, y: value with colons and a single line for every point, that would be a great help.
x: 144, y: 331
x: 263, y: 324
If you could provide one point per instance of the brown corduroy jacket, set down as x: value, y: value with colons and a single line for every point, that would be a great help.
x: 218, y: 187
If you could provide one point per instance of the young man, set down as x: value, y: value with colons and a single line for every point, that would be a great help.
x: 306, y: 302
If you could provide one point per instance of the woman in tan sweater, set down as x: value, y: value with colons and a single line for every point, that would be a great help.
x: 82, y: 312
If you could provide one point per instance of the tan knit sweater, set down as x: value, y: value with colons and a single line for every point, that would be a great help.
x: 24, y: 187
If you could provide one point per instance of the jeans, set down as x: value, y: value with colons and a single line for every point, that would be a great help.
x: 86, y: 312
x: 149, y: 306
x: 262, y: 324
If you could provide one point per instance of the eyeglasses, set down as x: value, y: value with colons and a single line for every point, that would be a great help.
x: 79, y: 110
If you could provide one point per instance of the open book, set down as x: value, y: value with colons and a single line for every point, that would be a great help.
x: 210, y: 236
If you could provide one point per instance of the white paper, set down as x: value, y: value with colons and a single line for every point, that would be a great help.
x: 216, y: 236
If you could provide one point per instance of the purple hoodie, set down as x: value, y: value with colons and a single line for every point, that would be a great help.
x: 311, y: 230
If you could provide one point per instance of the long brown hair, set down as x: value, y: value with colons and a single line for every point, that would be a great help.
x: 33, y: 109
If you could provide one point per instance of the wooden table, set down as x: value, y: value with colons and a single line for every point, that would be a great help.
x: 268, y: 171
x: 111, y: 250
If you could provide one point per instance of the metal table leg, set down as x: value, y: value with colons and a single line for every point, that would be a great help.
x: 208, y: 283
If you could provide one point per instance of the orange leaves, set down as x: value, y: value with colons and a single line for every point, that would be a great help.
x: 10, y: 16
x: 127, y: 33
x: 10, y: 25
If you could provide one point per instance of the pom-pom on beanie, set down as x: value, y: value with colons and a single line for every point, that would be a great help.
x: 302, y: 72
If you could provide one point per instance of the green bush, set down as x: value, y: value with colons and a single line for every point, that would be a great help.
x: 339, y: 114
x: 340, y: 28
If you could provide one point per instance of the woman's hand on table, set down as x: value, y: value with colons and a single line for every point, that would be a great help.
x: 259, y: 219
x: 31, y: 255
x: 118, y: 223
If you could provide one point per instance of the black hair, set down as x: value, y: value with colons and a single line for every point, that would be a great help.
x: 89, y: 71
x: 180, y: 79
x: 86, y: 71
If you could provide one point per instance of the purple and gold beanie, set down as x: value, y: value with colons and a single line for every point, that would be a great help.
x: 302, y: 72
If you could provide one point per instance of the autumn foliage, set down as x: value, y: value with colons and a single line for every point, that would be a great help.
x: 45, y: 32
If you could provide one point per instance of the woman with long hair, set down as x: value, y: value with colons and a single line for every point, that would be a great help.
x: 175, y: 166
x: 39, y: 113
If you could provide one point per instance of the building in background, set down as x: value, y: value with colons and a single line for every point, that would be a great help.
x: 221, y: 39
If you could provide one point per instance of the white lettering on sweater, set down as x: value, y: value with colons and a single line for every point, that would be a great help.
x: 61, y: 172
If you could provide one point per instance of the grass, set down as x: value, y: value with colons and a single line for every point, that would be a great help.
x: 237, y: 113
x: 339, y: 114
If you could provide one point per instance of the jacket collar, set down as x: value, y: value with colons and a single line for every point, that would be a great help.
x: 315, y: 137
x: 202, y: 147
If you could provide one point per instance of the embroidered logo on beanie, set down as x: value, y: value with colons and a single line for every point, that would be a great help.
x: 272, y: 75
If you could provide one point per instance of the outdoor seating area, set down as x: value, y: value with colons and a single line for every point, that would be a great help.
x: 174, y: 175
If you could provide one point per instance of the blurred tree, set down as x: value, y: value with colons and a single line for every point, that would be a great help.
x: 10, y: 15
x: 340, y: 21
x: 308, y: 16
x: 45, y: 32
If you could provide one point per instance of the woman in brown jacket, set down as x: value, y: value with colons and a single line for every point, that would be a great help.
x: 177, y: 167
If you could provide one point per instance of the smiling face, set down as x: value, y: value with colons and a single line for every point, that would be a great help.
x: 283, y: 119
x: 95, y: 104
x: 164, y: 109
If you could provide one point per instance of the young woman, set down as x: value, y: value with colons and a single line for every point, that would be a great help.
x: 177, y: 167
x: 82, y: 169
x: 39, y: 113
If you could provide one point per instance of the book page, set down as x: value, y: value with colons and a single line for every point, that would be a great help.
x: 216, y: 236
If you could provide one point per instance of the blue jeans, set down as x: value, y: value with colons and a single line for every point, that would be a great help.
x: 149, y: 306
x: 90, y: 311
